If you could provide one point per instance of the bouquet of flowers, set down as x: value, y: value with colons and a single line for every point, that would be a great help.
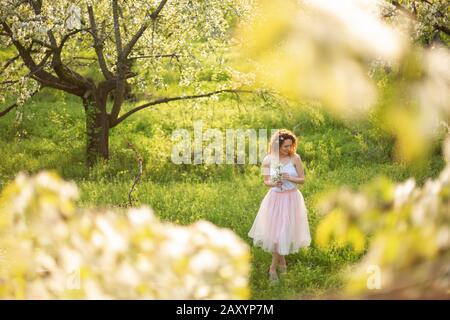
x: 278, y: 174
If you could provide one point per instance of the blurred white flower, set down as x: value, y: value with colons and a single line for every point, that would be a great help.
x: 110, y: 255
x: 74, y: 19
x: 141, y: 216
x: 403, y: 192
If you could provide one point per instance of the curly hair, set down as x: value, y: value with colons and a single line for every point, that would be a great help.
x: 278, y: 139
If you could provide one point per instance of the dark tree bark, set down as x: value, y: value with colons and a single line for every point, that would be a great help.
x: 97, y: 127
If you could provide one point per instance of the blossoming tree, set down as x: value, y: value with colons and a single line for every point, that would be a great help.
x: 133, y: 43
x: 429, y: 20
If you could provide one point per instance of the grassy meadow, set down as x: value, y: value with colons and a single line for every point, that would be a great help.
x: 51, y: 136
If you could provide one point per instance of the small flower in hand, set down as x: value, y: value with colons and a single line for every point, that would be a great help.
x: 278, y: 176
x: 286, y: 176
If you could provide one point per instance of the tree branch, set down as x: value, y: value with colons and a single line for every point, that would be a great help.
x: 117, y: 34
x: 169, y: 99
x: 63, y: 71
x: 142, y: 29
x: 9, y: 62
x: 137, y: 179
x: 444, y: 29
x: 8, y: 109
x: 130, y: 45
x: 36, y: 5
x: 8, y: 82
x: 98, y: 45
x: 67, y: 36
x: 38, y: 73
x: 169, y: 55
x: 412, y: 16
x: 155, y: 13
x: 120, y: 81
x: 43, y: 43
x: 404, y: 10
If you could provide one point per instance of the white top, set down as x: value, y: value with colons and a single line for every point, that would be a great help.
x: 288, y: 168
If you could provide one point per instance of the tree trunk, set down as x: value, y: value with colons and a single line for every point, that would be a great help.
x: 97, y: 128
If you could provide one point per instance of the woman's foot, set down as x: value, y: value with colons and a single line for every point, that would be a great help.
x: 273, y: 276
x: 282, y: 266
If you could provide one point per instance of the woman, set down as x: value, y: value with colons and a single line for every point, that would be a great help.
x: 281, y: 225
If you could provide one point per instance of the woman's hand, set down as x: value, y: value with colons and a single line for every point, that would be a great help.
x: 293, y: 179
x: 272, y: 183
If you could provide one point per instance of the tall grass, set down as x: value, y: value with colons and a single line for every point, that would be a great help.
x: 51, y: 136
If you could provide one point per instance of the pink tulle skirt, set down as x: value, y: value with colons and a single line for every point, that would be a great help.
x: 281, y: 224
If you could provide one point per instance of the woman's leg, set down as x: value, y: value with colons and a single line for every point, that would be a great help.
x: 282, y: 261
x: 282, y: 264
x: 275, y: 257
x: 273, y: 266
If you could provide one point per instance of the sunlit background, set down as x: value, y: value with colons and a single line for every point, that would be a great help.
x: 363, y: 84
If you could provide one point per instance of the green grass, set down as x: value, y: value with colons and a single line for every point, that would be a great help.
x: 234, y: 204
x: 51, y: 136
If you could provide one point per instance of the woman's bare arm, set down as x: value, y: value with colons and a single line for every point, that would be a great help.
x: 300, y: 171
